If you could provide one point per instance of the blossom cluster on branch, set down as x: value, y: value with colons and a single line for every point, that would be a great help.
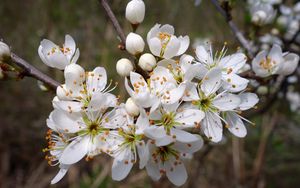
x: 176, y: 99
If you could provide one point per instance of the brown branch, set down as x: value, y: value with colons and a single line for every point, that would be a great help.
x: 115, y: 22
x: 237, y: 33
x: 31, y: 71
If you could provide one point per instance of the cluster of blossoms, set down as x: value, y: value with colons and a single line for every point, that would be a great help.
x: 180, y: 94
x: 175, y: 99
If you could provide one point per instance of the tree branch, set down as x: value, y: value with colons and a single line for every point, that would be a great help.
x: 115, y: 23
x: 237, y: 33
x: 31, y: 71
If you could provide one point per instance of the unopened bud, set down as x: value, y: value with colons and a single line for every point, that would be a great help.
x: 134, y: 44
x: 259, y: 17
x: 124, y: 67
x: 262, y: 90
x: 4, y: 51
x: 131, y: 108
x: 147, y: 62
x: 135, y: 11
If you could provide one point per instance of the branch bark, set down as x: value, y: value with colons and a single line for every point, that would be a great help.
x: 31, y: 71
x: 237, y: 33
x: 115, y: 23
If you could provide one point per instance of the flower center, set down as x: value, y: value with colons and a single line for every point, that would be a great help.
x: 164, y: 39
x: 267, y: 63
x: 164, y: 153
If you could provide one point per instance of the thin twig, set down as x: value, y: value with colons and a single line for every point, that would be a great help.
x: 115, y: 22
x: 31, y: 71
x: 237, y: 33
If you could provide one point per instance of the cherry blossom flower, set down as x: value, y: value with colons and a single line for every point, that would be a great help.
x: 163, y: 43
x: 274, y: 62
x: 160, y: 88
x: 230, y: 66
x: 262, y: 13
x: 128, y: 144
x: 92, y: 132
x: 213, y: 103
x: 168, y: 122
x: 168, y: 160
x: 58, y: 57
x: 84, y: 90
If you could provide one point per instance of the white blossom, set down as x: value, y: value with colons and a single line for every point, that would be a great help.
x: 262, y: 13
x: 58, y: 57
x: 160, y: 88
x: 168, y: 160
x: 274, y: 62
x: 230, y: 65
x: 163, y: 43
x: 84, y: 90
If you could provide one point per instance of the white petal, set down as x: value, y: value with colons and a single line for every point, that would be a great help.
x: 236, y: 125
x: 176, y: 173
x: 143, y: 153
x: 233, y: 63
x: 195, y: 71
x: 155, y: 132
x: 234, y: 83
x: 226, y: 101
x: 276, y: 54
x: 172, y: 48
x: 76, y: 56
x: 96, y: 80
x: 142, y: 122
x: 62, y: 172
x: 68, y: 106
x: 101, y: 101
x: 75, y: 151
x: 290, y: 64
x: 65, y: 121
x: 74, y: 76
x: 70, y: 43
x: 248, y: 100
x: 174, y: 95
x: 153, y: 170
x: 189, y: 117
x: 191, y: 92
x: 211, y: 81
x: 256, y: 67
x: 166, y: 140
x: 153, y: 32
x: 184, y: 44
x: 155, y: 46
x: 58, y: 60
x: 203, y: 55
x: 120, y: 169
x: 212, y: 127
x: 191, y: 147
x: 183, y: 136
x: 167, y: 29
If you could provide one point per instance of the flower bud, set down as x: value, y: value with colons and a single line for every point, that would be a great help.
x: 4, y: 51
x: 131, y: 108
x: 147, y: 62
x: 262, y: 90
x: 259, y: 17
x: 124, y: 67
x: 134, y: 44
x: 135, y: 11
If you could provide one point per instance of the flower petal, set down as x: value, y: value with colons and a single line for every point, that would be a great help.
x: 66, y: 122
x: 172, y: 48
x: 176, y: 173
x: 212, y: 127
x: 234, y: 83
x: 143, y: 154
x: 75, y: 151
x: 121, y: 169
x: 248, y: 100
x: 184, y: 44
x: 226, y: 101
x: 183, y: 136
x: 290, y: 64
x: 191, y: 147
x: 155, y: 46
x: 212, y: 81
x: 96, y: 80
x: 189, y: 117
x: 233, y: 63
x: 236, y: 125
x: 62, y: 172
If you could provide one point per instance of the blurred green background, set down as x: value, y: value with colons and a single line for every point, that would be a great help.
x: 24, y: 107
